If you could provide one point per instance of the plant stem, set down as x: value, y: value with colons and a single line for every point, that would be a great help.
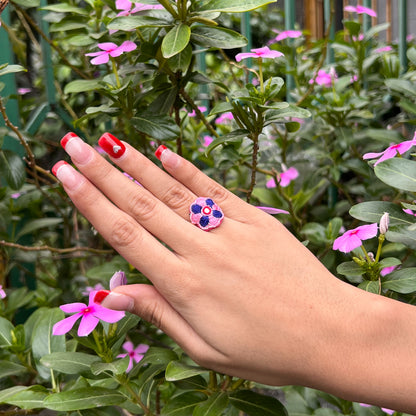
x: 115, y: 72
x: 255, y: 138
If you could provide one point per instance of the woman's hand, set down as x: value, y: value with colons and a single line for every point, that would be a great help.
x: 247, y: 298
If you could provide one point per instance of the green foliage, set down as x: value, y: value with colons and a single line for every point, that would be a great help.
x: 183, y: 62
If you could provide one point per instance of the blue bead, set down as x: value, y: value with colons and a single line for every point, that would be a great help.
x: 217, y: 214
x: 204, y: 221
x: 196, y: 209
x: 209, y: 202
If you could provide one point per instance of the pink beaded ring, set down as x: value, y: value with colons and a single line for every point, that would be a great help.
x: 205, y: 214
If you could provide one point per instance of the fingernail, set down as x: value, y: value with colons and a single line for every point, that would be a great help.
x: 101, y: 295
x: 79, y: 151
x: 111, y: 145
x: 118, y: 302
x: 67, y: 175
x: 67, y: 138
x: 169, y: 159
x: 160, y: 150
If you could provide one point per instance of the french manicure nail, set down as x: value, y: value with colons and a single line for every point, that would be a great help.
x: 169, y: 159
x: 79, y: 151
x: 118, y: 302
x: 111, y: 145
x: 67, y: 138
x: 101, y: 295
x: 67, y: 175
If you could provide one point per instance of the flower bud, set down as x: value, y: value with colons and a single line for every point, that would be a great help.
x: 118, y: 279
x: 384, y: 223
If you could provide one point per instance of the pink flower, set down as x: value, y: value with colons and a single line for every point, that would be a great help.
x: 385, y: 410
x: 359, y: 38
x: 392, y: 151
x: 383, y: 49
x: 2, y: 292
x: 286, y: 34
x: 15, y: 195
x: 90, y: 289
x: 110, y: 49
x: 360, y: 10
x: 135, y: 354
x: 23, y: 91
x: 387, y: 270
x: 202, y: 109
x: 273, y: 211
x: 225, y: 118
x: 207, y: 141
x: 283, y: 178
x: 118, y: 279
x: 264, y: 52
x: 325, y: 78
x: 352, y: 239
x: 126, y: 7
x: 90, y: 316
x: 410, y: 212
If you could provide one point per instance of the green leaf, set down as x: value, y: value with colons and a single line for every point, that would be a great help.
x: 181, y: 61
x: 372, y: 211
x: 217, y: 37
x: 214, y: 406
x: 116, y: 367
x: 221, y: 107
x: 159, y: 127
x: 401, y: 281
x: 389, y: 262
x: 398, y: 172
x: 235, y: 6
x: 12, y: 169
x: 370, y: 286
x: 401, y: 86
x: 350, y: 268
x: 255, y: 404
x: 69, y: 362
x: 183, y: 404
x: 6, y: 328
x: 43, y: 342
x: 411, y: 55
x: 27, y: 399
x: 402, y: 234
x: 177, y: 370
x: 27, y: 3
x: 232, y: 137
x: 86, y: 398
x: 37, y: 224
x: 158, y: 355
x: 408, y: 106
x: 8, y: 368
x: 128, y: 23
x: 65, y: 8
x: 6, y: 393
x: 82, y: 85
x: 176, y: 40
x: 11, y: 69
x: 66, y: 25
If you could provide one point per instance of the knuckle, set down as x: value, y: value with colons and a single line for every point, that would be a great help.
x: 216, y: 192
x: 142, y: 206
x: 176, y: 197
x: 153, y: 313
x: 123, y: 233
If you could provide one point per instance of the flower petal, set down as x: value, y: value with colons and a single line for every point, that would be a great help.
x: 87, y: 325
x: 73, y: 307
x: 64, y: 326
x: 108, y: 315
x: 128, y: 346
x: 102, y: 59
x: 273, y: 211
x: 364, y: 232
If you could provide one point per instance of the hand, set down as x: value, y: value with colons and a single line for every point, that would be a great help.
x: 247, y: 298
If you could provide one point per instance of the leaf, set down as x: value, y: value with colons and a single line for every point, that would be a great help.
x: 372, y: 211
x: 176, y: 40
x: 159, y: 127
x: 43, y: 342
x: 12, y: 169
x: 65, y: 8
x: 86, y: 398
x: 232, y: 137
x: 181, y: 62
x: 255, y: 404
x: 6, y: 393
x: 401, y: 86
x: 6, y: 328
x: 221, y: 107
x: 158, y: 355
x: 11, y: 69
x: 214, y: 406
x: 82, y: 85
x: 69, y: 362
x: 177, y: 370
x: 8, y: 368
x: 217, y: 37
x: 183, y: 404
x: 398, y: 172
x: 370, y: 286
x: 236, y: 6
x: 402, y: 234
x: 37, y: 224
x: 116, y: 367
x: 128, y: 23
x: 411, y: 55
x: 27, y: 399
x: 27, y: 3
x: 401, y: 281
x: 350, y: 268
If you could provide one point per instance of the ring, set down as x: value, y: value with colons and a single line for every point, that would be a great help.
x: 205, y: 214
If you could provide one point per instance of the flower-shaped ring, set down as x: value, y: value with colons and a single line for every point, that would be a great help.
x: 205, y: 213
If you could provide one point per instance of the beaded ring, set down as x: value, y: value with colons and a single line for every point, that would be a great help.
x: 205, y: 214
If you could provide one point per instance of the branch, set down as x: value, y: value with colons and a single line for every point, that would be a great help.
x: 54, y: 249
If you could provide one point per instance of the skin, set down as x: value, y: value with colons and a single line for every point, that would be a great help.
x: 246, y: 299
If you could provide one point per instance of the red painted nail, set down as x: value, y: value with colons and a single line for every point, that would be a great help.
x: 57, y: 165
x: 101, y: 295
x: 160, y: 150
x: 66, y: 138
x: 111, y: 145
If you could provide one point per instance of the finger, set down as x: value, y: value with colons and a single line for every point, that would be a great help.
x: 123, y: 233
x: 202, y: 185
x: 135, y: 200
x: 146, y: 302
x: 167, y: 189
